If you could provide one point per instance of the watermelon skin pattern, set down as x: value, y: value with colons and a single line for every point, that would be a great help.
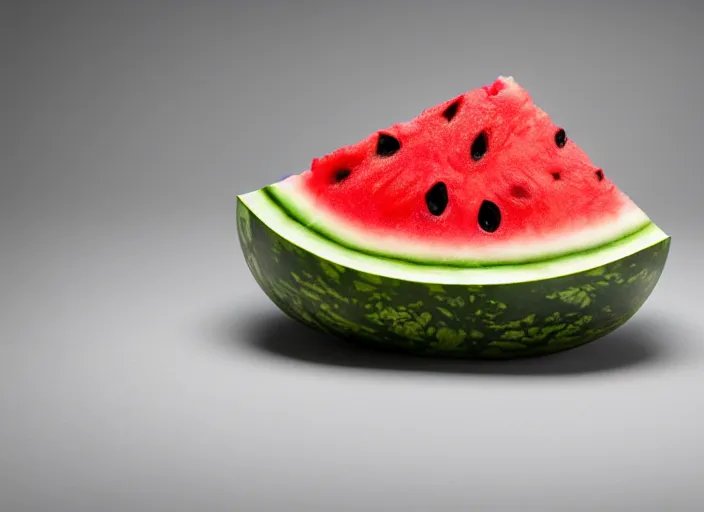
x: 483, y: 322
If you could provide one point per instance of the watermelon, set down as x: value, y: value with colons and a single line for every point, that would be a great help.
x: 478, y: 229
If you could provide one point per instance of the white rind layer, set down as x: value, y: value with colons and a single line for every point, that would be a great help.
x: 277, y: 220
x: 519, y: 249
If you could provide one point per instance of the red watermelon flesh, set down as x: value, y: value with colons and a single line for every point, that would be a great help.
x: 485, y: 170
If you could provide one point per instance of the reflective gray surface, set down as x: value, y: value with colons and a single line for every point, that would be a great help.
x: 141, y: 368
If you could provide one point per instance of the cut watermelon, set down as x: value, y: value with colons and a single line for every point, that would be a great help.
x: 477, y: 229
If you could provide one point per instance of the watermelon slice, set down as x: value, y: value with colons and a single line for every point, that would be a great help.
x: 477, y: 229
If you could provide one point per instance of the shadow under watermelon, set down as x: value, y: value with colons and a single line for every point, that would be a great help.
x: 647, y: 339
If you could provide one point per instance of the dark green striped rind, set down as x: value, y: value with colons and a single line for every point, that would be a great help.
x: 490, y: 322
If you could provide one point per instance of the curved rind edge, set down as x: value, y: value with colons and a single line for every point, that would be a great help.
x: 297, y: 206
x: 290, y: 229
x: 491, y: 321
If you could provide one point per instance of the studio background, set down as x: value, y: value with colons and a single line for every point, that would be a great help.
x: 141, y: 367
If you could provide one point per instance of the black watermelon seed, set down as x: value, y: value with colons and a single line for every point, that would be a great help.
x: 489, y: 216
x: 560, y: 138
x: 451, y: 111
x: 387, y: 145
x: 599, y: 174
x: 556, y: 176
x: 342, y: 175
x: 479, y: 146
x: 436, y: 198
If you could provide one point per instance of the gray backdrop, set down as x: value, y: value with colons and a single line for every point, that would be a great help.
x: 141, y: 368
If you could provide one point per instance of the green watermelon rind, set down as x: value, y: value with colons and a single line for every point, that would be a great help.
x: 484, y: 321
x: 281, y: 222
x: 286, y: 202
